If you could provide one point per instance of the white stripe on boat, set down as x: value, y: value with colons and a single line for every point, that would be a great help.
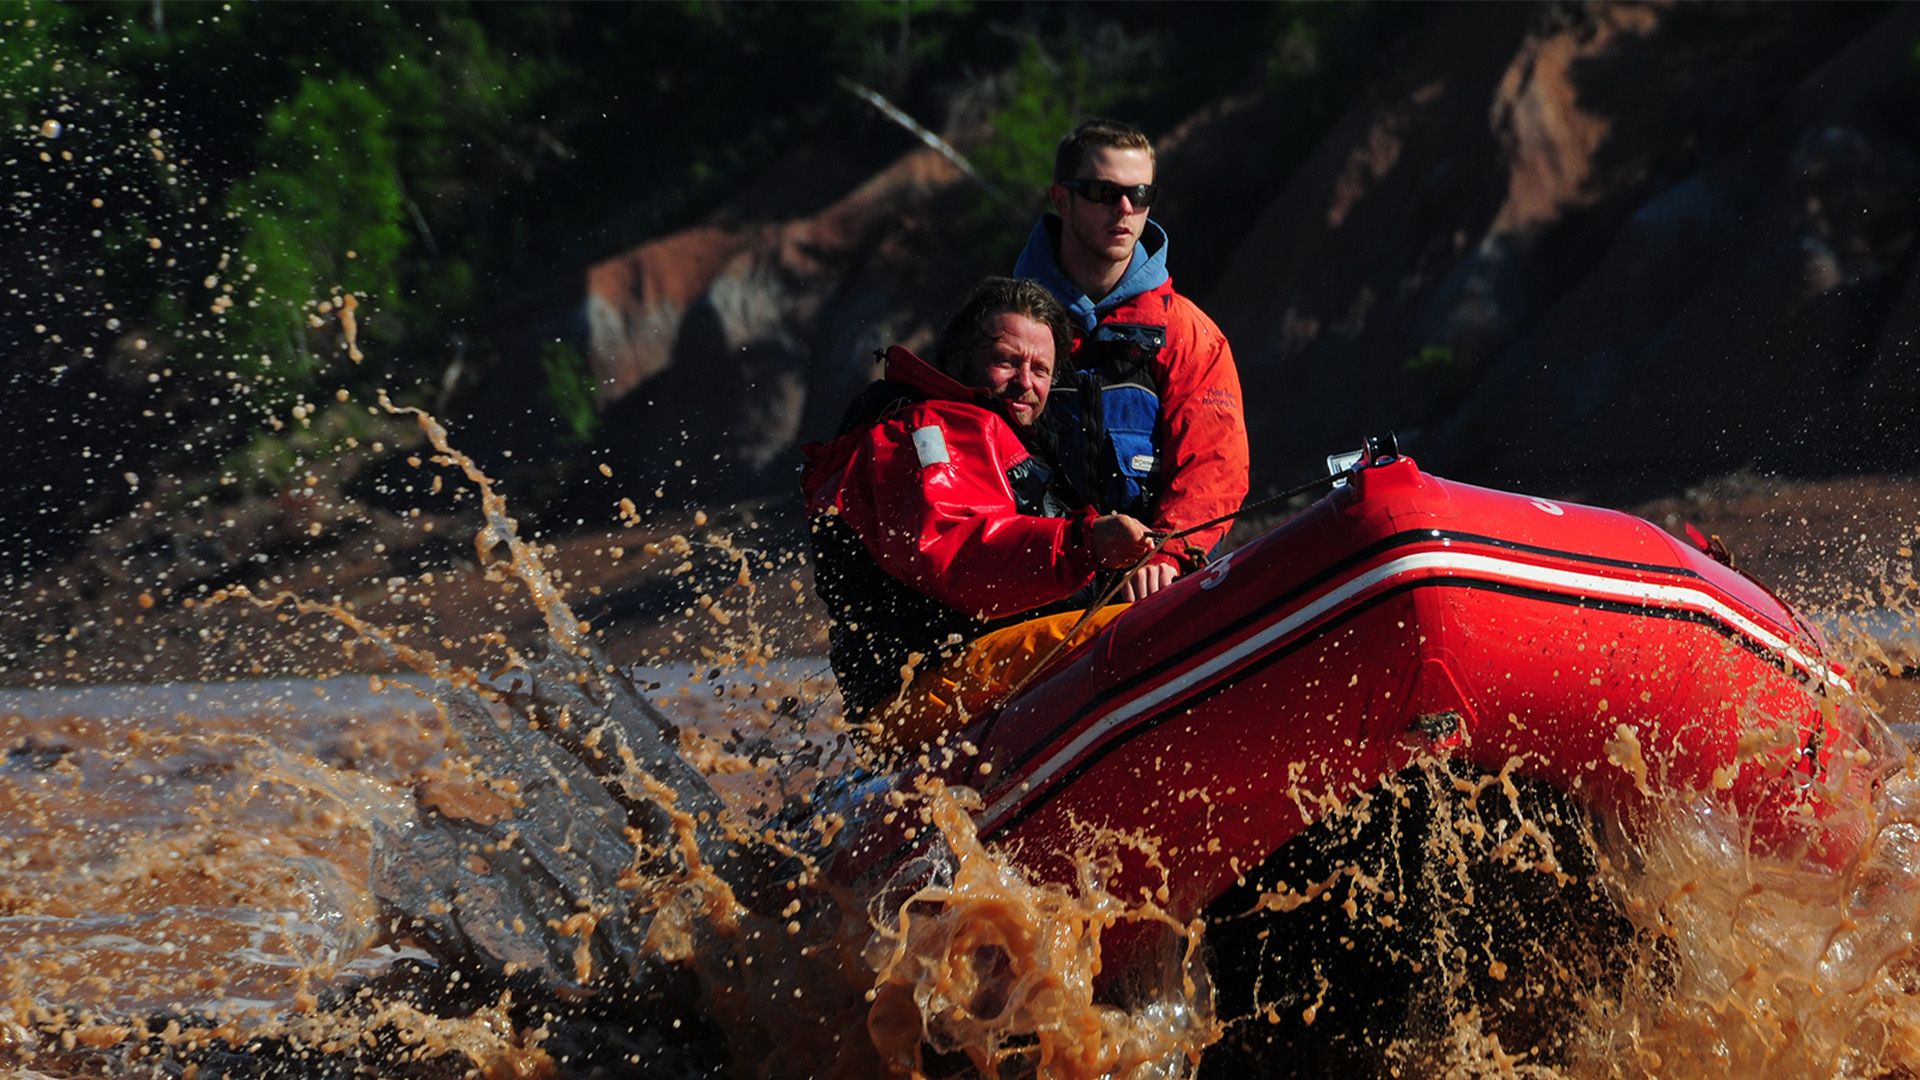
x: 1435, y: 563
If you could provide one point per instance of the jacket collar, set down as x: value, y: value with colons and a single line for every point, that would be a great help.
x: 1040, y: 262
x: 905, y: 368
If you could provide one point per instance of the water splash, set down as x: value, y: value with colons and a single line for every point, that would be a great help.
x: 560, y: 868
x: 541, y: 869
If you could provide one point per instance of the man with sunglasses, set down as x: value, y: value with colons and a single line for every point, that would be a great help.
x: 1147, y: 417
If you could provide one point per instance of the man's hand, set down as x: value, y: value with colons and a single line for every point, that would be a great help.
x: 1119, y: 541
x: 1148, y: 580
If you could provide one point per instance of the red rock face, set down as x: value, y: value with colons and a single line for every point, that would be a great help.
x: 1599, y: 251
x: 636, y: 301
x: 738, y: 334
x: 1656, y: 243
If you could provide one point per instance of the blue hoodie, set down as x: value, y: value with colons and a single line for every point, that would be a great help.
x: 1040, y: 263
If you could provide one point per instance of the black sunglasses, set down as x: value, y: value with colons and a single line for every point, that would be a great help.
x: 1106, y: 192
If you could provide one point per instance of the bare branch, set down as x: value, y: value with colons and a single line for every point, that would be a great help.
x: 894, y: 113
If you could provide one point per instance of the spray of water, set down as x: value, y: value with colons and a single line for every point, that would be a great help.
x: 508, y: 854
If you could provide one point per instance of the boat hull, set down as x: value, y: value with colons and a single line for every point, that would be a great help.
x: 1405, y: 616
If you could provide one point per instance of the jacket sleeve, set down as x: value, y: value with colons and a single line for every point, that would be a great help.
x: 950, y: 528
x: 1203, y: 435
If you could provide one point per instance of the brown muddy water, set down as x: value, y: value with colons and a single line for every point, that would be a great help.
x: 568, y: 867
x: 537, y: 845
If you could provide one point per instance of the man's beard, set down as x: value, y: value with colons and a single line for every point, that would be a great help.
x: 1030, y: 400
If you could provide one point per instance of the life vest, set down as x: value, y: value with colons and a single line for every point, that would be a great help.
x: 879, y: 621
x: 1030, y: 478
x: 1104, y: 416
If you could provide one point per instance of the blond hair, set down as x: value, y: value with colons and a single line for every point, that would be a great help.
x: 1093, y: 134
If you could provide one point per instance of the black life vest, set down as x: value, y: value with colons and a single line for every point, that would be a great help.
x: 1103, y: 417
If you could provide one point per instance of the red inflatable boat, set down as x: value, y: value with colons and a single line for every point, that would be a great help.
x: 1402, y: 615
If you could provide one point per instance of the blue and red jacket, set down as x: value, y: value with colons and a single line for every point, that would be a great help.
x: 927, y: 528
x: 1148, y: 416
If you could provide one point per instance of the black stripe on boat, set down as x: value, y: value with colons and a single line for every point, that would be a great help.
x: 1122, y: 735
x: 1125, y: 687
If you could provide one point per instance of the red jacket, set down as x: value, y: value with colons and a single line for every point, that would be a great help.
x: 927, y: 492
x: 1202, y: 435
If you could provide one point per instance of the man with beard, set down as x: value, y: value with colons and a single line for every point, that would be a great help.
x: 933, y: 529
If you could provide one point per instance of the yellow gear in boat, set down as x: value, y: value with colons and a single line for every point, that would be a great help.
x: 947, y: 696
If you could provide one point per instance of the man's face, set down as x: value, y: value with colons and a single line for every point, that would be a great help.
x: 1106, y: 233
x: 1017, y: 367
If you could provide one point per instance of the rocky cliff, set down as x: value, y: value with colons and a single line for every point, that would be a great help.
x: 1598, y: 249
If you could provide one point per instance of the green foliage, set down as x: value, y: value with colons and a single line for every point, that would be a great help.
x: 441, y: 160
x: 880, y: 43
x: 283, y: 154
x: 332, y: 202
x: 570, y: 391
x: 325, y: 209
x: 435, y: 142
x: 460, y: 90
x: 1319, y: 49
x: 272, y: 461
x: 1433, y: 359
x: 1300, y: 42
x: 1041, y: 99
x: 877, y: 42
x: 33, y: 78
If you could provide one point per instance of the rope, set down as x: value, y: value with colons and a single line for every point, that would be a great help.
x: 1260, y: 504
x: 1160, y: 538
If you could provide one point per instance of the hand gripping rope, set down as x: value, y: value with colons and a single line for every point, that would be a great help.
x: 1160, y: 539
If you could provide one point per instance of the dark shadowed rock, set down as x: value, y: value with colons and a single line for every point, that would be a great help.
x: 1583, y: 249
x: 1730, y: 318
x: 1324, y: 297
x: 1595, y: 251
